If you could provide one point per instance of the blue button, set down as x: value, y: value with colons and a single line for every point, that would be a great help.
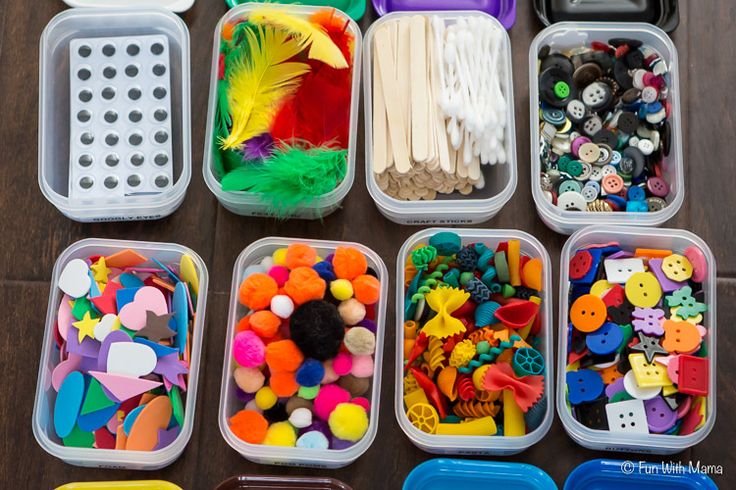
x: 606, y: 340
x: 636, y: 194
x: 583, y: 386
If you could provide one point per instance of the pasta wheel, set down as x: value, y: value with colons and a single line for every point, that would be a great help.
x: 475, y: 409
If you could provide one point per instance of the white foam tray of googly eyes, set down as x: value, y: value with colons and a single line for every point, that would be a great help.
x: 120, y: 117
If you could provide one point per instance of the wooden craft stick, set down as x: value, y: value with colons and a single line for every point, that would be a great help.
x: 419, y: 90
x: 403, y: 72
x: 381, y: 147
x: 440, y: 133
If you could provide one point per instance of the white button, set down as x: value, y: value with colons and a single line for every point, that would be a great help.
x: 592, y: 125
x: 576, y: 110
x: 596, y: 174
x: 646, y: 147
x: 649, y: 95
x: 618, y: 271
x: 639, y: 78
x: 628, y: 416
x: 634, y: 141
x: 657, y: 117
x: 605, y: 155
x: 633, y: 388
x: 595, y: 94
x: 608, y: 170
x: 572, y: 201
x: 589, y: 193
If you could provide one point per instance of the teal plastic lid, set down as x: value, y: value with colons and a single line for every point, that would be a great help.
x: 444, y: 473
x: 355, y: 9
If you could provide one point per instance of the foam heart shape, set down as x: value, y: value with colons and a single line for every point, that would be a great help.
x: 107, y: 324
x: 130, y: 359
x: 62, y: 370
x: 148, y: 298
x: 74, y: 279
x: 64, y: 317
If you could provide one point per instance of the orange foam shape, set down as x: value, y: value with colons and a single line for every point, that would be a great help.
x: 125, y: 258
x: 154, y: 416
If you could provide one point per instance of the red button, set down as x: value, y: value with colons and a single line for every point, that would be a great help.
x: 580, y: 264
x: 614, y: 297
x: 693, y: 375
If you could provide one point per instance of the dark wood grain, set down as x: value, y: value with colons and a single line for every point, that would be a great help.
x: 34, y: 234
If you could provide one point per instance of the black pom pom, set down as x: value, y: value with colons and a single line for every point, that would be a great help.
x: 277, y: 413
x: 317, y: 329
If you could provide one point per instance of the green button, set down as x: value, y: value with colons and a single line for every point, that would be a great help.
x: 562, y: 90
x: 575, y: 168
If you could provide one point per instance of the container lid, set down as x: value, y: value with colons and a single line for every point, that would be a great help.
x: 611, y: 474
x: 247, y: 482
x: 121, y: 485
x: 444, y: 473
x: 662, y: 13
x: 503, y: 10
x: 173, y: 5
x: 355, y: 9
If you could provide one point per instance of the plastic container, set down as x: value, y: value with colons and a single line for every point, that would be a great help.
x: 54, y: 93
x: 45, y: 394
x: 229, y: 404
x: 569, y: 35
x: 662, y: 13
x: 482, y: 204
x: 248, y: 203
x: 611, y: 474
x: 354, y: 8
x: 503, y: 10
x: 477, y: 445
x: 631, y: 237
x: 173, y: 5
x: 246, y: 482
x: 121, y: 485
x: 441, y: 474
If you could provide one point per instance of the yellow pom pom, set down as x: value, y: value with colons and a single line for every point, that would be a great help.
x: 462, y: 354
x: 265, y: 398
x: 341, y: 289
x: 279, y: 256
x: 348, y: 421
x: 280, y: 434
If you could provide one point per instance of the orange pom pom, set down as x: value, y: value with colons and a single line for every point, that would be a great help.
x: 249, y: 426
x: 264, y: 323
x: 300, y: 255
x: 243, y: 324
x: 257, y: 290
x: 283, y: 383
x: 283, y: 355
x: 367, y: 289
x: 349, y: 263
x: 304, y: 285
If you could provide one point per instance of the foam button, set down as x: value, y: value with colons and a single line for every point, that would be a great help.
x: 584, y: 385
x: 649, y: 374
x: 649, y: 345
x: 580, y: 264
x: 154, y: 416
x: 619, y: 271
x: 643, y: 290
x: 697, y: 260
x: 677, y: 268
x: 588, y: 313
x: 130, y: 359
x: 667, y: 284
x: 693, y: 374
x: 74, y: 279
x: 68, y: 403
x: 628, y: 416
x: 660, y: 417
x: 593, y: 414
x: 605, y: 340
x: 640, y: 392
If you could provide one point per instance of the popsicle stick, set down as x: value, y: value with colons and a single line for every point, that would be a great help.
x: 440, y: 133
x: 381, y: 147
x: 396, y: 122
x: 474, y: 169
x: 403, y: 72
x: 419, y: 77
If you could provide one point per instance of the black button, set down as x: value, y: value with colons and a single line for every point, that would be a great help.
x: 639, y: 160
x: 621, y: 74
x: 621, y: 315
x: 547, y: 81
x: 620, y: 41
x: 593, y: 414
x: 586, y: 74
x: 606, y: 137
x: 544, y: 52
x: 635, y: 59
x: 628, y: 122
x: 630, y: 96
x: 559, y: 61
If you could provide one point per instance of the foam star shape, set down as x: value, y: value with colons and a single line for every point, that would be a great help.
x: 157, y: 327
x: 649, y: 346
x: 100, y: 270
x: 86, y: 327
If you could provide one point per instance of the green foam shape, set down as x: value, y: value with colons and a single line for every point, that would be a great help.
x: 95, y: 399
x: 177, y: 405
x: 82, y: 306
x: 79, y: 438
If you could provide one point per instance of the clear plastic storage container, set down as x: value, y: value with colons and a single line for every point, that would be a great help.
x: 631, y: 237
x: 45, y: 395
x: 477, y: 445
x: 229, y: 404
x: 247, y: 482
x: 500, y: 179
x: 249, y: 203
x: 54, y: 110
x: 567, y: 35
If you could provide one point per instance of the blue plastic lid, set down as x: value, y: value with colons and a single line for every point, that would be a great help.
x: 611, y: 474
x: 443, y: 473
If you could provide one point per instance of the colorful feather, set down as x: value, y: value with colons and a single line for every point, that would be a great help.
x: 259, y: 80
x: 321, y: 46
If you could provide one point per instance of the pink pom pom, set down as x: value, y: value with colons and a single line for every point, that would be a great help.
x: 330, y: 375
x: 280, y: 274
x: 328, y: 398
x: 248, y: 349
x: 362, y: 366
x: 342, y: 364
x: 363, y: 402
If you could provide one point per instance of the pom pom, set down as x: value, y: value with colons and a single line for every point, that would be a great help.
x: 367, y: 289
x: 277, y: 413
x: 338, y: 443
x: 254, y: 269
x: 279, y: 256
x: 317, y: 328
x: 310, y: 373
x: 243, y: 324
x: 248, y: 349
x: 280, y: 434
x: 257, y: 290
x: 348, y: 421
x: 341, y: 289
x: 304, y: 285
x: 283, y: 383
x: 363, y: 402
x: 267, y: 263
x: 330, y: 375
x: 264, y: 323
x: 342, y: 364
x: 242, y: 396
x: 249, y: 379
x: 324, y: 269
x: 265, y: 398
x: 283, y: 355
x: 249, y: 426
x: 351, y: 311
x: 318, y: 425
x: 252, y: 405
x: 280, y: 274
x: 301, y: 418
x: 328, y: 398
x: 308, y: 392
x: 282, y: 306
x: 349, y: 263
x: 356, y: 386
x: 313, y: 440
x: 362, y: 366
x: 366, y: 323
x: 300, y: 255
x: 296, y: 402
x: 360, y: 341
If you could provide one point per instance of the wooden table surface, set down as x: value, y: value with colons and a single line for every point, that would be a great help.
x: 34, y: 234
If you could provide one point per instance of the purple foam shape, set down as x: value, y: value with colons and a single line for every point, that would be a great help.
x: 166, y: 437
x: 621, y: 254
x: 89, y: 347
x: 88, y: 364
x: 503, y: 10
x: 112, y: 337
x: 615, y: 387
x: 170, y: 367
x: 660, y: 417
x: 667, y: 284
x: 649, y: 321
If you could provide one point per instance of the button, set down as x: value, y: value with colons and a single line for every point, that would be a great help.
x: 569, y: 186
x: 572, y: 201
x: 680, y: 337
x: 656, y: 204
x: 577, y: 143
x: 658, y: 186
x: 605, y: 340
x: 608, y: 170
x: 628, y: 417
x: 643, y: 290
x: 697, y: 260
x: 660, y: 417
x: 677, y: 268
x: 586, y: 74
x: 621, y: 74
x: 589, y: 152
x: 580, y: 264
x: 628, y: 122
x: 638, y: 79
x: 640, y: 392
x: 631, y: 95
x: 597, y: 95
x: 584, y: 385
x: 648, y: 374
x: 649, y: 321
x: 606, y: 137
x: 590, y: 193
x: 649, y: 345
x: 619, y: 271
x: 558, y: 61
x: 588, y: 313
x: 554, y: 116
x: 592, y: 125
x: 576, y: 110
x: 612, y: 184
x: 649, y: 95
x: 585, y: 170
x: 605, y: 155
x: 639, y: 160
x: 645, y: 146
x: 615, y: 157
x: 593, y: 414
x: 636, y: 193
x: 596, y: 175
x: 562, y: 90
x: 693, y: 374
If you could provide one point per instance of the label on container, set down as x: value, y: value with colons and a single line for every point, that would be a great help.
x: 434, y: 221
x: 143, y: 217
x: 629, y: 449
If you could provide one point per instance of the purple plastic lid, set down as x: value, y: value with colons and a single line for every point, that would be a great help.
x: 503, y: 10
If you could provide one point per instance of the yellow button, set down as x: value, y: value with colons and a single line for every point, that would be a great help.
x: 695, y: 320
x: 643, y: 290
x: 600, y: 288
x: 648, y: 375
x: 677, y: 268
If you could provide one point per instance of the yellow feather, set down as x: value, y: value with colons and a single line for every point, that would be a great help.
x: 320, y: 45
x: 259, y: 80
